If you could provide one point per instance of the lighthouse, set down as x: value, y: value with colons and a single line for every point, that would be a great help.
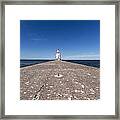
x: 58, y: 55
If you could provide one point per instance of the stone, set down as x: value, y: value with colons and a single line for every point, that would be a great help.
x: 73, y: 81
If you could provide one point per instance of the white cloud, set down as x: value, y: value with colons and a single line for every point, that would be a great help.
x: 83, y: 57
x: 38, y: 39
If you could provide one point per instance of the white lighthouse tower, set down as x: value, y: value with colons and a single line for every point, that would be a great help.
x: 58, y: 55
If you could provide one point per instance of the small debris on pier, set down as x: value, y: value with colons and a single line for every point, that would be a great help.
x: 59, y: 80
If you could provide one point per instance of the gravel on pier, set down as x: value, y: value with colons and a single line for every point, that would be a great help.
x: 59, y: 80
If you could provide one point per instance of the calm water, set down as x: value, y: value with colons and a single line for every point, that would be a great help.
x: 93, y: 63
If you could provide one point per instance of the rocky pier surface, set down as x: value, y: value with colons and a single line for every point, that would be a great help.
x: 59, y: 80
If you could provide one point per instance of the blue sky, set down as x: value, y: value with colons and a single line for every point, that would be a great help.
x: 76, y: 39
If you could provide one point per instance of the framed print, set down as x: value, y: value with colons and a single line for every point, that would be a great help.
x: 60, y: 59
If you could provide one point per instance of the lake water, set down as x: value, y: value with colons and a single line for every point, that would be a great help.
x: 93, y: 63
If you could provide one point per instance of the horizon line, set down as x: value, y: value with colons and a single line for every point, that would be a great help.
x: 54, y: 59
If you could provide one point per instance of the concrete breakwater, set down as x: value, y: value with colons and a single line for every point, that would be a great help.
x: 59, y: 80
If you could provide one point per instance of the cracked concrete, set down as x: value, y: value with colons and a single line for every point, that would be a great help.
x: 59, y: 80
